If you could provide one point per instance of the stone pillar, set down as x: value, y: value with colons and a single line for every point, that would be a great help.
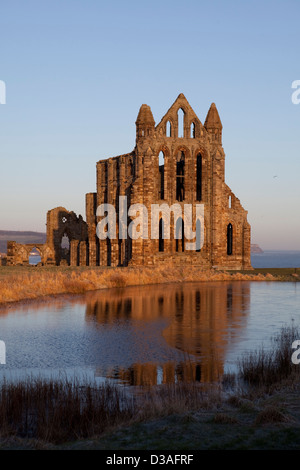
x: 218, y: 231
x: 92, y: 253
x: 74, y: 253
x: 247, y: 246
x: 91, y: 207
x: 11, y: 246
x: 103, y: 252
x: 83, y: 254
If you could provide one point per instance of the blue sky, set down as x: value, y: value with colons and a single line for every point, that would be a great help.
x: 77, y: 71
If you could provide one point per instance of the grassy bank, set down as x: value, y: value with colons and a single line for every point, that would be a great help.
x: 23, y: 283
x: 263, y: 413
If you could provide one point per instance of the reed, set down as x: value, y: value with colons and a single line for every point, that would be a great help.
x: 61, y: 410
x: 266, y: 367
x: 33, y: 283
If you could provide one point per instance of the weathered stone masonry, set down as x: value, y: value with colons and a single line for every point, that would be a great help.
x: 169, y: 164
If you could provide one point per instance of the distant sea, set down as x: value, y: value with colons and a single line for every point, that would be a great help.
x: 267, y: 259
x: 276, y: 259
x: 34, y: 259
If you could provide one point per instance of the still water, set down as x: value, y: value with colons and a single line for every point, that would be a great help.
x: 147, y: 335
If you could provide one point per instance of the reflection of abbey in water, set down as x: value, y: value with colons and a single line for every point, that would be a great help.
x: 203, y: 320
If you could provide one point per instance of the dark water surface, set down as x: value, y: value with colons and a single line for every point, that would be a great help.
x: 147, y: 335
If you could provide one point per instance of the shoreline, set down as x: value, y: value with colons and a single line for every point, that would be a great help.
x: 23, y: 285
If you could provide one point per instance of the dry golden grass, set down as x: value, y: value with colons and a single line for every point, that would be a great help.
x: 34, y: 283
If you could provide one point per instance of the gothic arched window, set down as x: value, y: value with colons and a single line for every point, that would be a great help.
x: 229, y: 239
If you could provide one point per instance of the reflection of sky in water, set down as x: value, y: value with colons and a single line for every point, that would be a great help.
x: 160, y: 330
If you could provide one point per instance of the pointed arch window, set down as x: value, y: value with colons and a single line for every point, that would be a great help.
x: 229, y: 239
x: 179, y: 235
x: 169, y: 129
x: 161, y: 236
x: 198, y: 236
x: 161, y: 164
x: 180, y: 116
x: 193, y: 131
x: 199, y: 177
x: 180, y: 167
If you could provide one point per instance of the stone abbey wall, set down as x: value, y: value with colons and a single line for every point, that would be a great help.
x: 60, y: 223
x: 170, y: 164
x: 192, y: 172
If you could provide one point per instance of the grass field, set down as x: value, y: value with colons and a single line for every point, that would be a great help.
x: 19, y: 283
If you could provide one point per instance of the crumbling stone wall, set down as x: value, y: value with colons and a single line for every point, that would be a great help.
x: 60, y: 223
x: 18, y: 253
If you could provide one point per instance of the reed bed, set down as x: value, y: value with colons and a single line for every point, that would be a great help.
x: 60, y: 410
x: 57, y: 411
x: 35, y: 282
x: 267, y: 367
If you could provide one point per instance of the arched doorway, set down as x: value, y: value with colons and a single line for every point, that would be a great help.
x: 65, y: 248
x: 35, y: 256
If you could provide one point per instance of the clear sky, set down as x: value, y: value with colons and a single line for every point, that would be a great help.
x: 77, y: 72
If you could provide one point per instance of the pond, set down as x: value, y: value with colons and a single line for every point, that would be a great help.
x: 146, y: 335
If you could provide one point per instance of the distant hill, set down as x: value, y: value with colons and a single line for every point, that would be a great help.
x: 256, y: 249
x: 19, y: 237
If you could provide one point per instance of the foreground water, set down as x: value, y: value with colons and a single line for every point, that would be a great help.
x: 147, y: 335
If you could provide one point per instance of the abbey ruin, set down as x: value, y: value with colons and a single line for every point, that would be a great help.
x: 178, y: 161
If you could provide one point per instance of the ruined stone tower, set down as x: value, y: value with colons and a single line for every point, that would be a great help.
x: 171, y: 165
